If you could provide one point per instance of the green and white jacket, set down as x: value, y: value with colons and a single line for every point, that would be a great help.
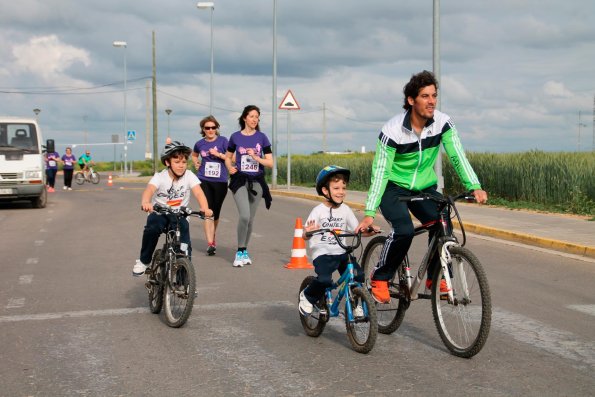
x: 408, y: 160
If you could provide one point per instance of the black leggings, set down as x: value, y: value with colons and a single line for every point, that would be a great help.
x: 215, y: 193
x: 68, y: 177
x: 397, y: 214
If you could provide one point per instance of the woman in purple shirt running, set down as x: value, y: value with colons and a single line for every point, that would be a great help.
x: 252, y: 151
x: 208, y: 157
x: 69, y: 160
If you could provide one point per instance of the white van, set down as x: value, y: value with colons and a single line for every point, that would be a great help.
x: 22, y: 165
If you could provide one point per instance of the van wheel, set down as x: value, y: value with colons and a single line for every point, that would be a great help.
x: 41, y: 200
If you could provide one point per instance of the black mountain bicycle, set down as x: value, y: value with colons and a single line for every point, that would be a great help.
x: 171, y: 280
x: 463, y: 311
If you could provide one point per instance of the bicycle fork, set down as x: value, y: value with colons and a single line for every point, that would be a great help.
x: 446, y: 260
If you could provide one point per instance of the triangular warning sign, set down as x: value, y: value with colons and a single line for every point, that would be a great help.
x: 289, y: 102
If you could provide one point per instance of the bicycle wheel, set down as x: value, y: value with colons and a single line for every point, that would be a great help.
x: 79, y: 178
x: 95, y: 178
x: 314, y: 323
x: 390, y: 315
x: 464, y: 323
x: 155, y: 282
x: 179, y: 293
x: 362, y: 331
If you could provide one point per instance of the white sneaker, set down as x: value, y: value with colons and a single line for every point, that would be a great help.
x: 139, y: 268
x: 69, y: 188
x: 63, y: 187
x: 358, y: 311
x: 246, y: 258
x: 239, y: 260
x: 305, y: 306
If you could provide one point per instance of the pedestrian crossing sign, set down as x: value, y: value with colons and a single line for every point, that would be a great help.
x: 131, y: 135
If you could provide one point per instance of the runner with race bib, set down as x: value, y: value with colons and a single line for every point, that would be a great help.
x: 208, y: 157
x: 252, y: 151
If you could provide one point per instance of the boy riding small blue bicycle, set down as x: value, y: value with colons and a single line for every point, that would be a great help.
x: 170, y: 187
x: 327, y: 255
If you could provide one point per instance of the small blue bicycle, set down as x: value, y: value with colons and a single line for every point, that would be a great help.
x: 359, y: 310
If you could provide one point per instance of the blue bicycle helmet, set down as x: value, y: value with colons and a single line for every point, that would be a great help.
x: 325, y: 174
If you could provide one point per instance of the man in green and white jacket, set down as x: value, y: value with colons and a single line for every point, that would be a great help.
x: 406, y: 152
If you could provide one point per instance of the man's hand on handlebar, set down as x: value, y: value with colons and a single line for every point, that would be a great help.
x: 481, y: 196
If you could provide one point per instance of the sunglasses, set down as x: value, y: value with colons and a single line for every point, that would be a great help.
x: 209, y: 128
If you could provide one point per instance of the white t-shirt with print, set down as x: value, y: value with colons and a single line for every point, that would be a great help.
x: 341, y: 218
x: 173, y: 193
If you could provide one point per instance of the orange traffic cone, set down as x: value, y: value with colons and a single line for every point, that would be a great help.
x: 299, y: 258
x: 110, y: 182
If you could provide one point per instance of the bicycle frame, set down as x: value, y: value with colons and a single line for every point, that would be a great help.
x: 342, y: 284
x: 440, y: 243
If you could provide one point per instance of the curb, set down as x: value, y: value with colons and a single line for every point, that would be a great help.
x: 529, y: 239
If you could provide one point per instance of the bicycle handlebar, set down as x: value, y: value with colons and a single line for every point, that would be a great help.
x: 341, y: 233
x: 181, y: 211
x: 467, y: 195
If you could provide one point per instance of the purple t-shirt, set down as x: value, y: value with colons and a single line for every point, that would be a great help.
x: 211, y: 168
x: 69, y: 161
x: 240, y: 143
x: 52, y: 160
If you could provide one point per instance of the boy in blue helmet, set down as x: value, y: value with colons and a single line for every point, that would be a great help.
x: 327, y: 255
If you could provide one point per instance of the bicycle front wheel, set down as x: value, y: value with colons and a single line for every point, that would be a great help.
x: 155, y: 282
x: 95, y: 178
x: 315, y: 322
x: 390, y: 315
x: 363, y: 330
x: 464, y: 322
x: 79, y: 178
x: 179, y: 293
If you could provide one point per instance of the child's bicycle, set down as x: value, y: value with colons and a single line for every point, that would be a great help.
x: 462, y: 314
x: 359, y: 309
x: 171, y: 279
x: 91, y: 176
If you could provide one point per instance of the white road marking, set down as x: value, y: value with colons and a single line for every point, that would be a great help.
x: 39, y: 243
x: 42, y: 230
x: 32, y: 261
x: 588, y: 309
x: 543, y: 337
x: 15, y: 303
x: 26, y: 279
x: 135, y: 310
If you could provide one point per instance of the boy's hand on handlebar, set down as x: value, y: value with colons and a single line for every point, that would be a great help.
x: 147, y: 207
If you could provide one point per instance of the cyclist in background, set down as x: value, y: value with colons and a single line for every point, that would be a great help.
x: 327, y: 254
x: 85, y: 162
x: 171, y: 187
x: 406, y: 152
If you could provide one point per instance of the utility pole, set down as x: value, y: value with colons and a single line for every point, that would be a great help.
x: 155, y: 133
x: 148, y: 123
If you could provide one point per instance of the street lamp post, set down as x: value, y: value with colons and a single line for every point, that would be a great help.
x: 211, y: 5
x: 37, y: 111
x: 123, y: 44
x: 168, y: 111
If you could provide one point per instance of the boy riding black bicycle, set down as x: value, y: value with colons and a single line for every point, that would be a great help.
x: 170, y: 187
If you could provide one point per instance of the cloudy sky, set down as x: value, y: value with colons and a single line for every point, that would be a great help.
x: 514, y: 73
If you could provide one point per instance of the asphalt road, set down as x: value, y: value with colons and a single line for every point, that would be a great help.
x: 73, y: 321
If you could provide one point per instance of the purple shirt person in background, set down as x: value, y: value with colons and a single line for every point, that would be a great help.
x: 208, y: 157
x: 252, y: 151
x: 51, y: 169
x: 69, y: 160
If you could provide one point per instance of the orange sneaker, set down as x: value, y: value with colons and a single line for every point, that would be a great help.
x: 443, y: 287
x: 380, y: 291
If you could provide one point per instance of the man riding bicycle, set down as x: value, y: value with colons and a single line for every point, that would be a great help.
x: 406, y: 152
x: 85, y: 162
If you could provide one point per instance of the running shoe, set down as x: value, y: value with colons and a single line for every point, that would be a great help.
x: 211, y: 249
x: 246, y: 258
x: 239, y: 259
x: 139, y: 268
